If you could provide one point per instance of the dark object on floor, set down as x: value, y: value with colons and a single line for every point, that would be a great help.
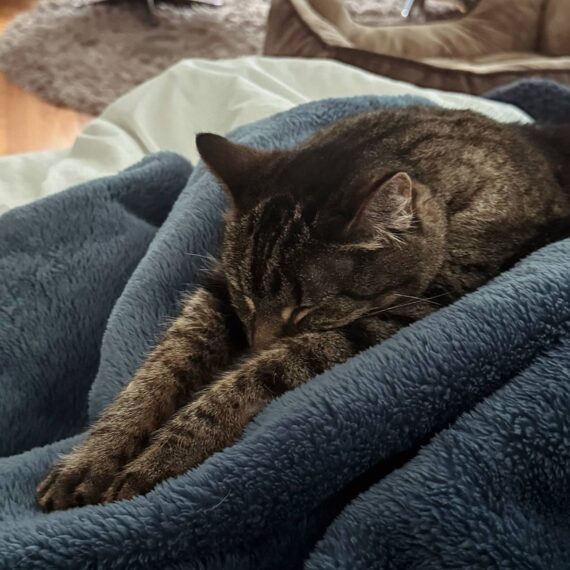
x: 153, y: 5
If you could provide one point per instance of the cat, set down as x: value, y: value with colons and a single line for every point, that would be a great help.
x: 329, y: 248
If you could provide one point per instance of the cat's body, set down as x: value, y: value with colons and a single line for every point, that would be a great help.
x: 329, y: 248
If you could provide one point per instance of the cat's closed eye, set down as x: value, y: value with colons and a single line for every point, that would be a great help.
x: 300, y: 313
x: 295, y: 315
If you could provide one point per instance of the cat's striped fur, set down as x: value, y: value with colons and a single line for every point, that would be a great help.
x: 329, y: 248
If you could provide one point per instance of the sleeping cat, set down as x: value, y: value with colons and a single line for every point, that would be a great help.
x: 329, y: 248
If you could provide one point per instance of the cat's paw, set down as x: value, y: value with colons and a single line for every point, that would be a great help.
x: 77, y: 480
x: 143, y: 474
x: 130, y: 483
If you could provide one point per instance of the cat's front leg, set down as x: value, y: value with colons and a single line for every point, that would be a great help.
x: 195, y: 346
x: 217, y: 419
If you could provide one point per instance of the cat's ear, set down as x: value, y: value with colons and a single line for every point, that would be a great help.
x: 233, y: 164
x: 384, y: 208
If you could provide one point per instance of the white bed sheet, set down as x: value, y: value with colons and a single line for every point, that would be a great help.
x: 198, y: 95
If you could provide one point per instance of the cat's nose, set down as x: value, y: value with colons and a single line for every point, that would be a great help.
x: 265, y: 332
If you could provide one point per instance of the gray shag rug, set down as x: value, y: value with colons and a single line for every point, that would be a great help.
x: 83, y: 54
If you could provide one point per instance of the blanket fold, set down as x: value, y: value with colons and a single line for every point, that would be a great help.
x: 64, y: 261
x: 327, y: 476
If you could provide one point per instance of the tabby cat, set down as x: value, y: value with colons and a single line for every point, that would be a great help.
x: 329, y: 248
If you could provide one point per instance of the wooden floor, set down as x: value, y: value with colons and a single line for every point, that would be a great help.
x: 27, y: 123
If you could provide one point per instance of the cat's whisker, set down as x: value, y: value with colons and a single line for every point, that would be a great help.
x: 379, y: 311
x: 401, y: 305
x: 427, y: 299
x: 208, y: 257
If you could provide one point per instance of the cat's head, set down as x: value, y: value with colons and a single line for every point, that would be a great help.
x: 314, y: 240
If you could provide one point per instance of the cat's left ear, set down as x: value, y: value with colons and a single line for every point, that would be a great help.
x: 233, y: 164
x: 385, y: 207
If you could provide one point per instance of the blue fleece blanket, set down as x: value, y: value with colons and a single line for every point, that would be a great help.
x: 447, y: 446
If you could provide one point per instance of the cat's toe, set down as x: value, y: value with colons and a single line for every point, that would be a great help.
x: 56, y: 492
x: 122, y: 489
x: 47, y: 482
x: 91, y: 490
x: 127, y: 485
x: 74, y: 484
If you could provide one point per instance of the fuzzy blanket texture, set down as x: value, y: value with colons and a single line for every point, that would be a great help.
x: 447, y: 446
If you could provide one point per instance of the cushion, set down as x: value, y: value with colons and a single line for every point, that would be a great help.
x: 471, y: 54
x: 556, y: 28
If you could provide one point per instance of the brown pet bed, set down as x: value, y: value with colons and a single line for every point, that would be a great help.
x: 497, y: 42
